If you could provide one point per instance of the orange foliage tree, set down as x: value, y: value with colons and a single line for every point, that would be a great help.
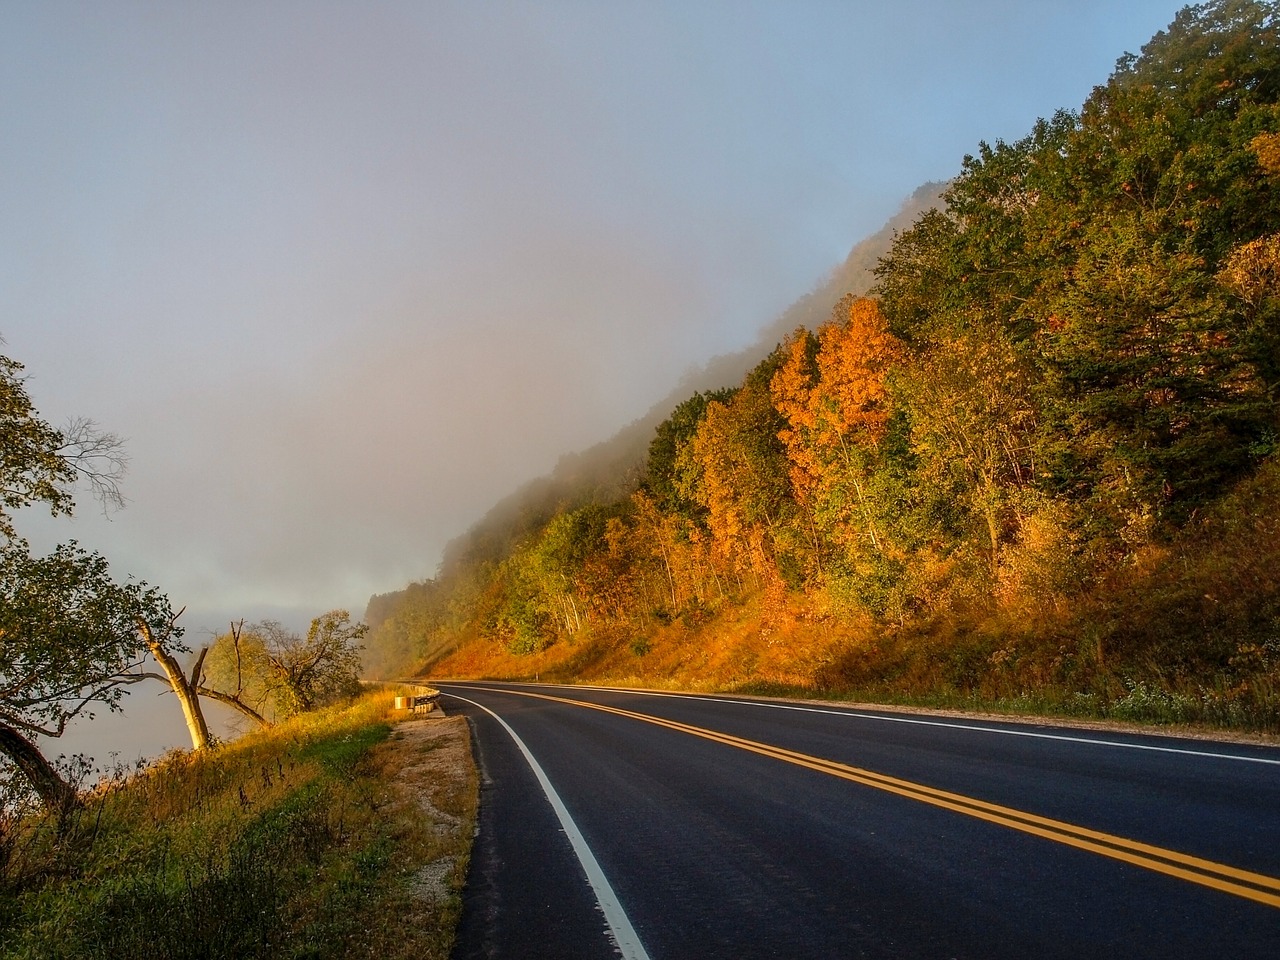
x: 831, y: 391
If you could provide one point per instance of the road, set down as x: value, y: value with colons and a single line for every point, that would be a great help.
x: 643, y: 825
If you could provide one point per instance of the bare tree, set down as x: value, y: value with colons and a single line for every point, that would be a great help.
x: 98, y: 459
x: 238, y: 698
x: 161, y: 641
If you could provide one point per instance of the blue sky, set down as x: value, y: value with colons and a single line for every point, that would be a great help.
x: 343, y: 274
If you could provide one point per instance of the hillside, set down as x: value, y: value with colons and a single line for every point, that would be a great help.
x: 1033, y: 462
x: 407, y: 628
x: 613, y: 467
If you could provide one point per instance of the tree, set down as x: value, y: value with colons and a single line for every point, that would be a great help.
x: 325, y: 666
x: 847, y: 442
x: 1121, y: 254
x: 1251, y: 275
x: 831, y: 390
x: 237, y: 656
x: 69, y: 640
x: 161, y: 643
x: 70, y: 635
x: 268, y: 669
x: 41, y: 464
x: 672, y: 436
x: 735, y: 467
x: 972, y: 422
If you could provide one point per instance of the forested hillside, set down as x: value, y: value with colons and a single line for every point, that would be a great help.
x: 1034, y: 461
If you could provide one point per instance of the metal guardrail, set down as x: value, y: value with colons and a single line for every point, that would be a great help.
x: 421, y: 698
x: 418, y: 703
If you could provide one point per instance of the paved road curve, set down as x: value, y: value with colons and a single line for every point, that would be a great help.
x: 618, y: 823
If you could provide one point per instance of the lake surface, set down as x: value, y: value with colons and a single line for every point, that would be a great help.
x: 150, y: 725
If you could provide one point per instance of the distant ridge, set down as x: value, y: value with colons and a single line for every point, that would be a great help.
x: 606, y: 471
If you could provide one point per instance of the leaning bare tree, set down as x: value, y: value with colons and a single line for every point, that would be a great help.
x: 236, y: 683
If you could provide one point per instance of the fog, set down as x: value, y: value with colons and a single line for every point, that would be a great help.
x: 342, y: 275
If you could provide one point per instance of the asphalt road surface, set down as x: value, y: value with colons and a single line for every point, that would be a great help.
x: 644, y: 825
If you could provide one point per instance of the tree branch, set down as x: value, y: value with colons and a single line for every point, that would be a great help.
x: 235, y: 702
x: 97, y: 457
x: 197, y: 668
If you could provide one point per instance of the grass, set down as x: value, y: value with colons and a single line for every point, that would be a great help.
x: 297, y: 842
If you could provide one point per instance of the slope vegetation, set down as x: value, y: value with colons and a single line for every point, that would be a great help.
x: 1032, y: 463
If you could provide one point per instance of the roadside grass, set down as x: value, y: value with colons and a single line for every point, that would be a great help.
x: 294, y: 842
x: 1136, y: 655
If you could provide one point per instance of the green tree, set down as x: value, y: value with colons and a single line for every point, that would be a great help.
x: 662, y: 475
x: 71, y: 637
x: 69, y: 641
x: 559, y: 555
x: 1099, y: 247
x: 1150, y: 404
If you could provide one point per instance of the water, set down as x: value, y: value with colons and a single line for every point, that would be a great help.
x: 150, y: 725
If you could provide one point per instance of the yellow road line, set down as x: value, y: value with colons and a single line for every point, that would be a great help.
x: 1219, y: 876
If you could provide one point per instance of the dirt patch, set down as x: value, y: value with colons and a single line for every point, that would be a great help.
x: 427, y: 764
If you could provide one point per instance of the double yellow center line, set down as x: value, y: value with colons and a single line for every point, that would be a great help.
x: 1219, y: 876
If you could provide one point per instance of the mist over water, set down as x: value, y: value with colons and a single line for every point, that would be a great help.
x: 150, y: 725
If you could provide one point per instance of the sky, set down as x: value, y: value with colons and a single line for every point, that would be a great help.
x: 344, y: 274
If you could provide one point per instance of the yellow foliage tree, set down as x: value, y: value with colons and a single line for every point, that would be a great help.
x: 736, y: 468
x: 972, y: 425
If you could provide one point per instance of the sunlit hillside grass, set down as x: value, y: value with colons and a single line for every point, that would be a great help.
x: 299, y: 841
x: 1187, y: 633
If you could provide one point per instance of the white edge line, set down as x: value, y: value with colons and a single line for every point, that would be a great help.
x: 624, y: 935
x: 1119, y: 744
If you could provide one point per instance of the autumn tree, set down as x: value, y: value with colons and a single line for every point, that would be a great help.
x: 831, y: 391
x: 662, y: 467
x: 1057, y: 370
x: 266, y: 670
x: 973, y: 424
x: 735, y: 467
x: 679, y: 552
